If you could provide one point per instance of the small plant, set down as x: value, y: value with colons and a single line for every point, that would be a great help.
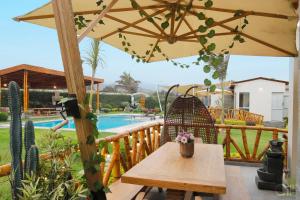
x: 57, y: 179
x: 185, y: 137
x: 3, y: 117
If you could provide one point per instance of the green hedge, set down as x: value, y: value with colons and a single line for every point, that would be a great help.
x: 3, y: 117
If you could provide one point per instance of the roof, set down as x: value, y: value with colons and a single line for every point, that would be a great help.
x: 39, y: 77
x: 271, y: 30
x: 261, y: 78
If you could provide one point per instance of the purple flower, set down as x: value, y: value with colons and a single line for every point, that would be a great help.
x: 184, y: 140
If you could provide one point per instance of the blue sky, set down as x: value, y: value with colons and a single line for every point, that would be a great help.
x: 23, y: 43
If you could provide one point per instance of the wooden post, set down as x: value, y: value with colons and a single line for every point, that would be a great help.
x: 64, y: 19
x: 98, y: 99
x: 116, y: 172
x: 0, y: 91
x: 25, y: 91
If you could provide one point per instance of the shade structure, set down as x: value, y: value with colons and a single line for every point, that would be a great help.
x: 38, y: 77
x: 208, y: 93
x: 271, y: 30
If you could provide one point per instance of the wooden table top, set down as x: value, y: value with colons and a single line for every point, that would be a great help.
x: 165, y: 168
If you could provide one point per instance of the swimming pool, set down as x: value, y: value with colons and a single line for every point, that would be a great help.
x: 104, y: 122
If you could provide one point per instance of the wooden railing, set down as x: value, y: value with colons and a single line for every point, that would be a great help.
x: 127, y: 148
x: 237, y: 114
x: 244, y: 152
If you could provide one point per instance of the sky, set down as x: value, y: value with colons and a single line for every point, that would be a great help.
x: 24, y: 43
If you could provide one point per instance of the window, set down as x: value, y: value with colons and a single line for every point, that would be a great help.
x: 244, y: 101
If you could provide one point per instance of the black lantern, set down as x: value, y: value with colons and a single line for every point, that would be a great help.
x: 70, y: 106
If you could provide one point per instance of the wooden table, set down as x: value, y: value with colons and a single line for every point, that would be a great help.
x: 165, y: 168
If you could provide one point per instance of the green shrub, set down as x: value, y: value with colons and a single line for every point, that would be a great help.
x: 105, y: 110
x: 231, y: 122
x: 3, y: 117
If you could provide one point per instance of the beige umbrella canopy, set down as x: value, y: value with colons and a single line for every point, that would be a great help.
x: 208, y: 93
x: 271, y: 29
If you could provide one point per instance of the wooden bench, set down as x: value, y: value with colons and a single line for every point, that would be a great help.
x: 124, y: 191
x: 236, y: 189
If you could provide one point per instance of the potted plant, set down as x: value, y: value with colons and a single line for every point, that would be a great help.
x: 186, y: 142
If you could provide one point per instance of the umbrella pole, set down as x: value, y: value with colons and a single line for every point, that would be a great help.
x: 64, y: 19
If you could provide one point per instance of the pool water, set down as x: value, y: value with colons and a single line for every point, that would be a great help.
x: 104, y: 122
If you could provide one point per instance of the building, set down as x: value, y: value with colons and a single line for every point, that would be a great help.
x: 265, y: 96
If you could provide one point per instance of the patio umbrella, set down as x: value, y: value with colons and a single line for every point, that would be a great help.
x: 271, y: 30
x: 217, y: 91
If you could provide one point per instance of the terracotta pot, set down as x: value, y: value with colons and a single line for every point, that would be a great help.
x: 187, y: 150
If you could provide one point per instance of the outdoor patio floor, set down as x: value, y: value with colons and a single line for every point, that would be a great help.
x: 248, y: 174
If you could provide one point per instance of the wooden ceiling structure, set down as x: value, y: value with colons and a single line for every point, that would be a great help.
x: 34, y: 77
x: 38, y: 77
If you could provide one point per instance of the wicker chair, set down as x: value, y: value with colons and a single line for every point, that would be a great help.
x: 188, y: 113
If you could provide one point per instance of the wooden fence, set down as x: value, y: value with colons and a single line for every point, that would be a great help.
x: 237, y: 114
x: 127, y: 148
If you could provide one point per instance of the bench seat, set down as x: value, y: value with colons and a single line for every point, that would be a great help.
x: 235, y: 189
x: 123, y: 191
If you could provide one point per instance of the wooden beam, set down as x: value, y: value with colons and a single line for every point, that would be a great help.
x: 260, y: 41
x: 95, y: 21
x: 88, y: 12
x: 0, y: 91
x: 25, y: 91
x: 215, y: 24
x: 153, y: 22
x: 133, y: 24
x: 217, y: 34
x: 182, y: 18
x: 64, y: 19
x: 139, y: 34
x: 152, y: 50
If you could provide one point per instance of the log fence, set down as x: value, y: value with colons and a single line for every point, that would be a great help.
x: 127, y: 148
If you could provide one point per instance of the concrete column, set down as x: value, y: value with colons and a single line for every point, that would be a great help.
x: 294, y: 121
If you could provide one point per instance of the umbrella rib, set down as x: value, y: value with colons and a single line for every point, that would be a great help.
x: 152, y: 50
x: 87, y: 12
x: 128, y: 25
x: 95, y: 21
x: 215, y: 24
x: 190, y: 27
x: 182, y: 18
x: 217, y: 34
x: 153, y: 22
x: 260, y: 41
x: 139, y: 34
x: 261, y: 14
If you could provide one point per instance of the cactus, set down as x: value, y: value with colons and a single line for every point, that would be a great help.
x: 31, y: 155
x: 29, y: 140
x: 32, y: 160
x: 15, y: 136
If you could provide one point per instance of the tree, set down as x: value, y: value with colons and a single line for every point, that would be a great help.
x: 109, y: 88
x: 128, y: 83
x: 221, y: 70
x: 94, y: 60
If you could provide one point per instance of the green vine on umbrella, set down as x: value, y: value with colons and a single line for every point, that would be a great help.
x: 205, y: 30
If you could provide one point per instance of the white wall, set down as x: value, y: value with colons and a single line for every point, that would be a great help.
x: 260, y: 95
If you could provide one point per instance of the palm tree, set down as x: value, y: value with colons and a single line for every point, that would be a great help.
x: 93, y: 59
x: 221, y: 69
x: 128, y: 83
